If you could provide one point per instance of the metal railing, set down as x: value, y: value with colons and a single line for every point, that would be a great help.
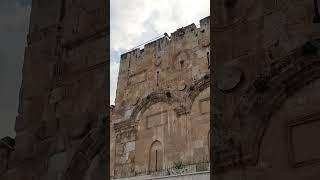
x: 176, y: 169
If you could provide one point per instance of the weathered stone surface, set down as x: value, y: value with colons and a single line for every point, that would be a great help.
x: 275, y: 44
x: 24, y: 146
x: 7, y: 145
x: 228, y: 78
x: 64, y: 82
x: 165, y: 101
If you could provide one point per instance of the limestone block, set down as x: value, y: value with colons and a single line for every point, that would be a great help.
x: 78, y: 166
x: 78, y: 21
x: 12, y: 163
x: 45, y: 147
x: 120, y: 149
x: 20, y: 123
x: 39, y: 166
x: 11, y: 174
x: 127, y: 113
x: 130, y: 146
x: 20, y: 173
x: 56, y: 166
x: 49, y: 10
x: 96, y: 170
x: 4, y: 156
x: 127, y: 136
x: 57, y: 95
x: 63, y: 108
x: 79, y: 124
x: 61, y: 141
x: 24, y: 145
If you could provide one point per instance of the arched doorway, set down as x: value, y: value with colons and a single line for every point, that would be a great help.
x: 155, y: 157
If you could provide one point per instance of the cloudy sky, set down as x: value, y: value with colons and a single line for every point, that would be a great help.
x: 14, y: 20
x: 134, y: 22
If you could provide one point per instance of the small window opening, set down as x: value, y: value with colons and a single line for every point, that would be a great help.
x: 181, y: 63
x: 157, y: 78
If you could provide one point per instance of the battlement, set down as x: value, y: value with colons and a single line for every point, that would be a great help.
x: 164, y: 42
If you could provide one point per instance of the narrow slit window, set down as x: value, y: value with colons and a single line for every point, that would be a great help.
x: 157, y: 78
x: 208, y: 59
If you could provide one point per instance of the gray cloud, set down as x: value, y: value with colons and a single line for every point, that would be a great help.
x: 14, y: 18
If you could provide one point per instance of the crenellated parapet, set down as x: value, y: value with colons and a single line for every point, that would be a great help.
x: 164, y: 43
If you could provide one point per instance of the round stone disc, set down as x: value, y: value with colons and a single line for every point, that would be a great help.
x: 181, y: 86
x: 228, y: 78
x: 157, y: 61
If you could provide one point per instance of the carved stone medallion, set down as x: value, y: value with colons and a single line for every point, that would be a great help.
x: 181, y: 86
x: 228, y: 78
x: 157, y: 61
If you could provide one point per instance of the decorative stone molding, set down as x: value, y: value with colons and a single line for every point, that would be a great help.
x: 265, y: 95
x: 303, y: 155
x: 156, y: 97
x: 90, y: 146
x: 196, y: 88
x: 228, y: 78
x: 180, y: 57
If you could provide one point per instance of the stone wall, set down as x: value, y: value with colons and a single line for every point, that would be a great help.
x: 190, y: 176
x: 266, y: 56
x: 62, y: 96
x: 161, y: 113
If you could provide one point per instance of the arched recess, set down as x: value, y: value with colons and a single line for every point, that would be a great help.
x: 267, y: 93
x: 197, y: 87
x: 89, y: 148
x: 156, y: 97
x: 199, y: 125
x: 158, y: 123
x: 156, y: 156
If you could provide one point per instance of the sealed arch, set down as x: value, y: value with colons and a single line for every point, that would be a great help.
x: 157, y: 127
x: 197, y: 87
x: 156, y: 97
x: 266, y: 95
x: 87, y: 152
x: 155, y: 156
x: 200, y: 118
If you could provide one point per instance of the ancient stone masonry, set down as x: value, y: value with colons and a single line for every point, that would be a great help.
x: 161, y: 113
x: 266, y: 84
x: 63, y: 100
